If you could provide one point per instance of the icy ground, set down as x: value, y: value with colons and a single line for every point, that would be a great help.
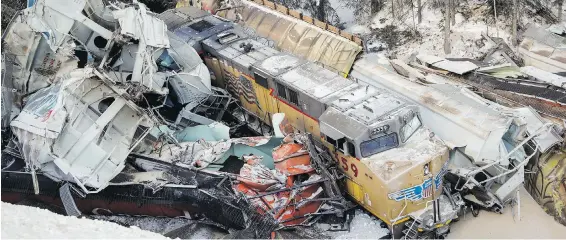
x: 31, y: 222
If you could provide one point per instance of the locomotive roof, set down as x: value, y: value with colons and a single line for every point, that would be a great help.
x: 366, y: 104
x: 238, y: 50
x: 360, y: 108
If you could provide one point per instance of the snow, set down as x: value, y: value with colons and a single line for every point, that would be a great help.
x: 466, y: 35
x: 363, y: 226
x: 279, y: 63
x: 31, y: 222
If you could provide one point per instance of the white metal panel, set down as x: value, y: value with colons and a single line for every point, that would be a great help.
x: 545, y: 76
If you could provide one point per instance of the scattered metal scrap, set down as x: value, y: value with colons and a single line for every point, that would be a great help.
x: 123, y: 112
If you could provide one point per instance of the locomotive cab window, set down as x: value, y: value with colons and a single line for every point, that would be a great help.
x: 260, y: 80
x: 351, y: 149
x: 293, y: 97
x: 331, y: 141
x: 281, y: 91
x: 166, y: 63
x: 410, y: 128
x: 379, y: 144
x: 340, y: 144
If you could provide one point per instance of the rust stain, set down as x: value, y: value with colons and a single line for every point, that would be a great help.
x: 433, y: 102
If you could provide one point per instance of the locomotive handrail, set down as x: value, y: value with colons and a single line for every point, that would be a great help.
x: 538, y: 132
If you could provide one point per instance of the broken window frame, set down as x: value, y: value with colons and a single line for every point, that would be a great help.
x: 168, y: 57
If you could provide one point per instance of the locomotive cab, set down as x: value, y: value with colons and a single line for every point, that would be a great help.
x: 393, y: 163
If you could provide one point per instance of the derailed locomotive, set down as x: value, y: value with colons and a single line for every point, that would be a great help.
x: 394, y: 165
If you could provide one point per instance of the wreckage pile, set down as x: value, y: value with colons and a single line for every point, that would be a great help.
x: 111, y: 109
x: 123, y: 112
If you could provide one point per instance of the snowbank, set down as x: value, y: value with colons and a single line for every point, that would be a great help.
x: 31, y: 222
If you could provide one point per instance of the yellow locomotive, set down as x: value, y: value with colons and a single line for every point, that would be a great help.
x: 394, y: 165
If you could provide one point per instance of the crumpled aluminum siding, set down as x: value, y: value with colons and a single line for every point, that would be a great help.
x: 298, y: 37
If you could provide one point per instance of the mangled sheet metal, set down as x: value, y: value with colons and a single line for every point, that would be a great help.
x: 546, y: 140
x: 290, y: 207
x: 280, y: 177
x: 502, y: 71
x: 212, y: 154
x: 458, y: 67
x: 86, y: 100
x: 78, y: 130
x: 295, y: 36
x: 543, y: 49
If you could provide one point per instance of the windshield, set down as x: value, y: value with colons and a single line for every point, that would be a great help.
x: 379, y: 144
x: 410, y: 128
x: 166, y: 63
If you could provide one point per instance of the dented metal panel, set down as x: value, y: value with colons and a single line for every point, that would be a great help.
x: 92, y: 147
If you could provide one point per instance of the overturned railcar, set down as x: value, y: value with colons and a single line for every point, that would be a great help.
x: 394, y: 165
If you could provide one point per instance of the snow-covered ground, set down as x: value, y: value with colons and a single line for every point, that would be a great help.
x: 30, y: 222
x: 533, y: 223
x: 473, y: 18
